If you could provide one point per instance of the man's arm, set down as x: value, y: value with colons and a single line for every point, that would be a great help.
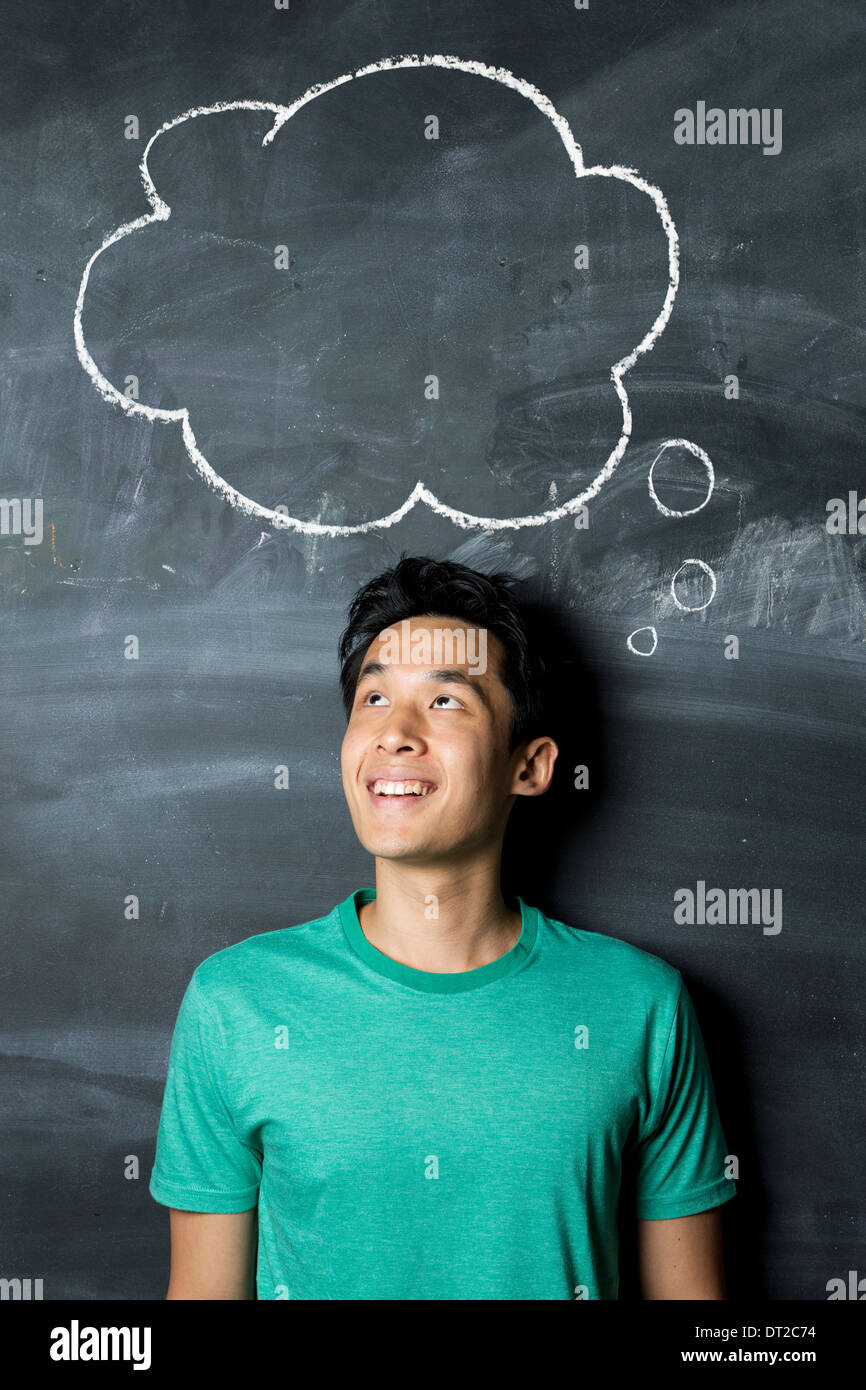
x: 213, y: 1254
x: 682, y: 1257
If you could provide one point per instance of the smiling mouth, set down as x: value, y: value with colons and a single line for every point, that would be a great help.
x: 400, y: 791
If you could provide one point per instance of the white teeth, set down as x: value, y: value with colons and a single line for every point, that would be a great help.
x: 381, y: 788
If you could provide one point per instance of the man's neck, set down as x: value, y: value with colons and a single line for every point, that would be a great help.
x: 440, y: 920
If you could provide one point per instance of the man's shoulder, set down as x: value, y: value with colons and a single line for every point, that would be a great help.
x: 255, y: 957
x: 614, y: 958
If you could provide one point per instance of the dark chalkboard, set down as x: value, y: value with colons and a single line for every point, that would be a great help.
x: 208, y: 423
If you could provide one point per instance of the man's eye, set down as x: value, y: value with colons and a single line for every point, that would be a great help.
x: 377, y: 695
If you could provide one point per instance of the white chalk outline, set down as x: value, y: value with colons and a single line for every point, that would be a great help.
x: 637, y: 651
x: 698, y: 453
x: 699, y: 607
x: 161, y: 212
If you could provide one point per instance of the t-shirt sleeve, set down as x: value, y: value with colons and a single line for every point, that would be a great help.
x: 680, y: 1154
x: 201, y: 1164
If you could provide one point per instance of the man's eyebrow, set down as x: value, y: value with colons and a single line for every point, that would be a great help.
x: 451, y: 674
x: 371, y: 668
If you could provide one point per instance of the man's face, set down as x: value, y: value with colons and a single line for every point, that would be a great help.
x: 445, y: 724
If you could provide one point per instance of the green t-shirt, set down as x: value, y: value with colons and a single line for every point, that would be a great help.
x: 411, y: 1135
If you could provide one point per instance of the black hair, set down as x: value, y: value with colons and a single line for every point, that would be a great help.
x: 417, y: 586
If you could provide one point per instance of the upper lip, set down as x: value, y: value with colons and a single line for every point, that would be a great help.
x: 399, y: 775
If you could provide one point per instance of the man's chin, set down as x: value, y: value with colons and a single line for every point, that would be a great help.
x: 408, y: 848
x: 392, y: 847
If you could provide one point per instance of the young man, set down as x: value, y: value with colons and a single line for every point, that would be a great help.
x: 430, y: 1092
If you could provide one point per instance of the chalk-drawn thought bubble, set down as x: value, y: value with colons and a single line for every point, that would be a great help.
x: 262, y: 508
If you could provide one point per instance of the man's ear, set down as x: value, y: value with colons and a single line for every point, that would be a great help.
x: 534, y: 772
